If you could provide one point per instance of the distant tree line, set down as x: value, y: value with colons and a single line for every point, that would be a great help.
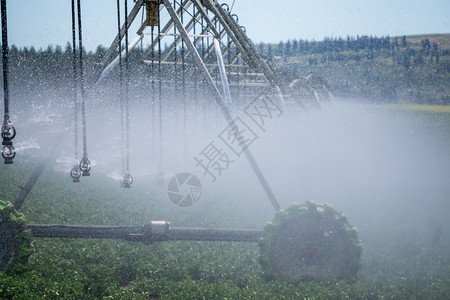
x: 357, y: 48
x: 48, y: 73
x: 382, y: 68
x: 36, y: 74
x: 369, y: 67
x: 296, y: 47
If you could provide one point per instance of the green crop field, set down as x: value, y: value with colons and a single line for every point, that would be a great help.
x: 395, y: 267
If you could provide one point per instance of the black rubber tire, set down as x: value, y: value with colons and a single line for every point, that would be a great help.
x: 310, y: 241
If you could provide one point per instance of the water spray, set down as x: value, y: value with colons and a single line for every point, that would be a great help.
x: 311, y: 249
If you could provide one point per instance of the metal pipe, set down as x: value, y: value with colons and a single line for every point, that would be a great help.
x: 155, y: 231
x: 200, y: 5
x: 164, y: 30
x: 8, y: 131
x: 119, y: 37
x: 85, y: 231
x: 178, y: 38
x: 226, y: 112
x: 223, y: 74
x: 270, y: 73
x: 160, y: 109
x: 85, y: 165
x: 127, y: 180
x: 116, y: 60
x: 213, y: 234
x: 195, y: 55
x: 206, y: 64
x: 121, y: 96
x: 171, y: 34
x: 74, y: 87
x: 25, y: 190
x: 5, y: 60
x: 210, y: 48
x: 183, y: 84
x: 241, y: 40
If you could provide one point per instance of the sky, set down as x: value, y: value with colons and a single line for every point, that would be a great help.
x: 48, y: 22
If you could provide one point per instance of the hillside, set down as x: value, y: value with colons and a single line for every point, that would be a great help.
x: 443, y: 40
x: 408, y: 69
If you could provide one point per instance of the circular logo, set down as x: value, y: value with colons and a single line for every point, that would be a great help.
x: 184, y: 189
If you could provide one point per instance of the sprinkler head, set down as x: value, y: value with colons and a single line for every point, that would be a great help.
x: 8, y: 133
x: 85, y: 166
x: 8, y: 153
x: 75, y: 173
x: 127, y: 180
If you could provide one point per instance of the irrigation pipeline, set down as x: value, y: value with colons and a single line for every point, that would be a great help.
x: 155, y: 231
x: 25, y: 190
x: 220, y: 102
x: 45, y: 161
x: 85, y: 164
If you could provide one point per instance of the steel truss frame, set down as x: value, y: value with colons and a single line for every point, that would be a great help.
x: 217, y: 24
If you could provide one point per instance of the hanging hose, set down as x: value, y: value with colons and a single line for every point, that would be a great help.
x: 8, y: 131
x: 175, y: 69
x: 195, y: 77
x: 75, y: 173
x: 161, y: 174
x: 203, y: 79
x: 183, y: 82
x: 85, y: 164
x: 153, y: 94
x: 122, y: 138
x: 127, y: 178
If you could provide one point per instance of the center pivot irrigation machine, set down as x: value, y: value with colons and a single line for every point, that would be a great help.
x: 304, y: 241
